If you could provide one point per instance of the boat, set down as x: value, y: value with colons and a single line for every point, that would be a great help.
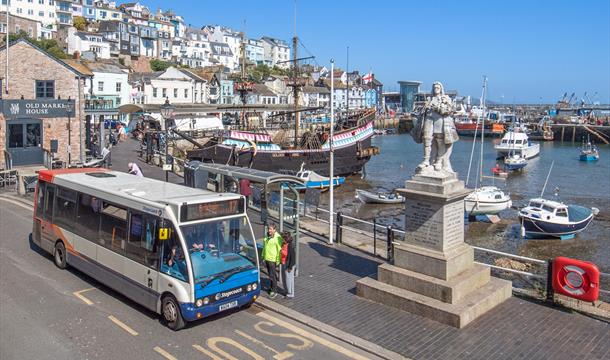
x: 518, y: 142
x: 378, y: 198
x: 589, y: 152
x: 514, y: 162
x: 484, y: 200
x: 314, y: 180
x: 471, y: 128
x: 498, y: 171
x: 544, y: 218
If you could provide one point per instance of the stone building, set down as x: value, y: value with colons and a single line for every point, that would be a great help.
x: 35, y: 111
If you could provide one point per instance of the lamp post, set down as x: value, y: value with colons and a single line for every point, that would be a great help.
x: 167, y: 112
x: 69, y: 109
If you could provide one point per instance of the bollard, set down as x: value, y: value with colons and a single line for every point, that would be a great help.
x: 549, y: 282
x: 374, y: 236
x: 390, y: 244
x: 338, y: 228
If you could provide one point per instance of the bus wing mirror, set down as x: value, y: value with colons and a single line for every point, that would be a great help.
x: 163, y: 233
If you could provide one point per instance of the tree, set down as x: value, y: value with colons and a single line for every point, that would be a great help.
x: 159, y: 65
x: 49, y: 45
x: 80, y: 23
x: 259, y: 72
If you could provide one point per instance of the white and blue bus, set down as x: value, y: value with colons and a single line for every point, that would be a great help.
x: 184, y: 253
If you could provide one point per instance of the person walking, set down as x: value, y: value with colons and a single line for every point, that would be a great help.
x: 272, y: 245
x: 288, y: 263
x: 134, y: 169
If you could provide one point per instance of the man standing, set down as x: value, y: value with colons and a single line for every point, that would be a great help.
x: 272, y: 246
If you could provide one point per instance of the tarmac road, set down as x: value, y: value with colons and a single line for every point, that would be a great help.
x: 48, y: 313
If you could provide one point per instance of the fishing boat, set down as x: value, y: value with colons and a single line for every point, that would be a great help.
x: 378, y: 198
x: 484, y: 200
x: 518, y: 142
x: 514, y: 162
x: 314, y: 180
x: 488, y: 200
x: 544, y: 218
x: 470, y: 128
x: 589, y: 152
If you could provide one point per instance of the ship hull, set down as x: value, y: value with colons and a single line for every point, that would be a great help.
x: 348, y: 160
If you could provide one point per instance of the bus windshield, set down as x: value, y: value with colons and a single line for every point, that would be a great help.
x: 220, y: 249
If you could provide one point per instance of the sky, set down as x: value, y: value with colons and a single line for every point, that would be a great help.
x: 531, y: 51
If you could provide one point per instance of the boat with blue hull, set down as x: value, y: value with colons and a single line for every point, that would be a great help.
x: 543, y: 218
x: 589, y: 152
x: 514, y: 162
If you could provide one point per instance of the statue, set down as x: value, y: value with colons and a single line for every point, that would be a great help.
x: 436, y: 130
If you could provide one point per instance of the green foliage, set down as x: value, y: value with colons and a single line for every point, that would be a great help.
x: 259, y: 72
x: 80, y: 23
x: 159, y: 65
x: 49, y: 45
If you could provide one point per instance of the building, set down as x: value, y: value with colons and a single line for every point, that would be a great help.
x: 16, y: 24
x: 148, y: 41
x: 229, y: 37
x: 277, y: 52
x: 124, y: 38
x: 408, y: 89
x: 83, y: 42
x: 43, y: 11
x: 391, y: 102
x: 315, y: 96
x: 222, y: 53
x: 176, y: 85
x: 109, y: 86
x: 255, y: 52
x: 35, y: 118
x: 64, y: 12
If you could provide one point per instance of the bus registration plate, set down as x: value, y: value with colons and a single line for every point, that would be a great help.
x: 226, y: 306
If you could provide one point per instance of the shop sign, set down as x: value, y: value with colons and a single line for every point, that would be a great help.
x: 38, y: 108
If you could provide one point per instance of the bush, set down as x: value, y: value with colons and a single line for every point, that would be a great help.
x: 159, y: 65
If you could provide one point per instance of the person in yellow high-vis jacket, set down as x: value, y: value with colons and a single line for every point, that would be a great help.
x: 272, y: 246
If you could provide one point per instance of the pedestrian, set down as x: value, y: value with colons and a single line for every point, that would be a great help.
x: 134, y: 169
x: 272, y: 245
x: 288, y: 260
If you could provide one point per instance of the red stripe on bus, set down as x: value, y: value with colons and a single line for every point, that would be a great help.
x: 48, y: 175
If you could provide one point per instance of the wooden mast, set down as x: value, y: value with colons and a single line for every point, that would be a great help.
x: 295, y: 91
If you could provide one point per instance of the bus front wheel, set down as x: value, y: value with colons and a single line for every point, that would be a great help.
x: 59, y: 255
x: 171, y: 313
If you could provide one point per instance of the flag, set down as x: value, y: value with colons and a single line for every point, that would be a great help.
x: 367, y: 78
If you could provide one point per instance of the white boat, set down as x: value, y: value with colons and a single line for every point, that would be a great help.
x: 484, y: 200
x: 518, y: 143
x: 314, y: 180
x: 514, y: 162
x: 488, y: 200
x: 372, y: 198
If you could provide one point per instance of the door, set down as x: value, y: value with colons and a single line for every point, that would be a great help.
x: 24, y: 141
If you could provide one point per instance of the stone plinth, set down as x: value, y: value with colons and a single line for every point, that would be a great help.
x: 434, y: 273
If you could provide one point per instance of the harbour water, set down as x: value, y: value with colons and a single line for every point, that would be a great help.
x: 577, y: 182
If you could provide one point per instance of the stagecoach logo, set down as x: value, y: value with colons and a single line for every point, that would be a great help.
x: 14, y: 108
x: 229, y: 293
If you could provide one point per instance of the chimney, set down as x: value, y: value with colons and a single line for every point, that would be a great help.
x: 76, y: 55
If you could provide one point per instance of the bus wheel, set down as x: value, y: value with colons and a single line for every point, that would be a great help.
x: 59, y: 255
x: 171, y: 313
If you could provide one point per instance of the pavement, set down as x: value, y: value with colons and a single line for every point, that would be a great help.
x: 325, y: 306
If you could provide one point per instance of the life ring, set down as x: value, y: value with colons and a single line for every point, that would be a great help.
x: 575, y: 278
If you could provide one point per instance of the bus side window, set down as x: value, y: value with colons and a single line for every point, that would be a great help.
x: 141, y: 244
x: 48, y: 202
x: 113, y: 229
x: 173, y: 262
x: 40, y: 198
x: 88, y: 217
x: 65, y: 208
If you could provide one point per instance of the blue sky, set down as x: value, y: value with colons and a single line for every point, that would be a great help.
x: 529, y: 50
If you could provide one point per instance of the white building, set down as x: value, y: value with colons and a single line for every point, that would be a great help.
x: 109, y: 83
x: 225, y: 35
x: 277, y: 52
x: 315, y: 96
x: 177, y: 85
x: 194, y: 50
x: 82, y: 42
x: 255, y: 52
x: 37, y: 10
x: 223, y: 54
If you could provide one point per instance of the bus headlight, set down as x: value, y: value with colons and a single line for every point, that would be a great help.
x: 199, y: 303
x: 249, y: 287
x: 206, y: 300
x: 254, y: 286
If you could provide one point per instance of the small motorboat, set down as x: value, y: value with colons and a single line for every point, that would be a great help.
x: 514, y: 162
x: 544, y: 218
x: 498, y: 171
x: 589, y: 152
x: 517, y: 141
x: 486, y: 200
x: 373, y: 198
x: 316, y: 181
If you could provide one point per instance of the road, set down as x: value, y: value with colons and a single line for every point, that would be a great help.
x: 46, y: 312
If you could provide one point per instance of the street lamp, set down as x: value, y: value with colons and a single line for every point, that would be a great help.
x: 69, y: 109
x: 167, y: 112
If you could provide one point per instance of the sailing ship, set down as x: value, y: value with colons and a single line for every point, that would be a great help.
x: 484, y: 200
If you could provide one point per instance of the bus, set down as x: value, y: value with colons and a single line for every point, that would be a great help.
x: 182, y: 252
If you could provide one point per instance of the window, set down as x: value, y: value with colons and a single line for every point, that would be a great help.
x: 118, y: 87
x: 30, y: 12
x: 103, y: 14
x: 142, y: 241
x: 51, y: 2
x: 154, y: 92
x: 48, y: 202
x: 113, y: 227
x: 65, y: 208
x: 173, y: 262
x: 45, y: 89
x: 100, y: 86
x: 88, y: 217
x: 19, y: 11
x: 164, y: 92
x: 562, y: 212
x: 175, y: 93
x: 41, y: 13
x: 40, y: 198
x: 186, y: 93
